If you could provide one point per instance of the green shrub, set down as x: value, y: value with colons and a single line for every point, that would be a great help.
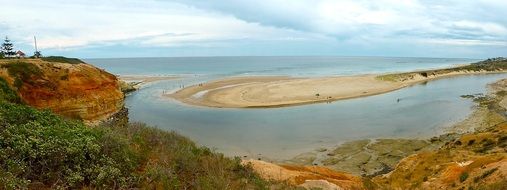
x: 463, y: 177
x: 40, y: 147
x: 7, y: 94
x: 62, y: 59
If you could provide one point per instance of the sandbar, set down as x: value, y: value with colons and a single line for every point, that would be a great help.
x: 279, y: 91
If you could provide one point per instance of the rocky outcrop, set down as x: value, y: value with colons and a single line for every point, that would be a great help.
x: 78, y: 90
x: 308, y: 177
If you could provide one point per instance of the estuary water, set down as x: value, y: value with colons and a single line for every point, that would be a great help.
x: 422, y: 111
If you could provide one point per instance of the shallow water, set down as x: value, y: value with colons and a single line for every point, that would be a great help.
x: 422, y: 111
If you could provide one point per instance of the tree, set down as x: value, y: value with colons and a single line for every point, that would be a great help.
x: 7, y: 48
x: 1, y: 55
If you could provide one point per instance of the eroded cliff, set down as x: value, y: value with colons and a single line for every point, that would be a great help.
x: 73, y: 89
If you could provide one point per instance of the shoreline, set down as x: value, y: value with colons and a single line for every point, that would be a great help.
x: 145, y: 78
x: 280, y: 91
x: 378, y: 159
x: 131, y: 83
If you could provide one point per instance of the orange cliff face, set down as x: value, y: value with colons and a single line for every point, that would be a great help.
x: 78, y: 91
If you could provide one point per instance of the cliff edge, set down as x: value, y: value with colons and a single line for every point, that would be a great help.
x: 68, y: 87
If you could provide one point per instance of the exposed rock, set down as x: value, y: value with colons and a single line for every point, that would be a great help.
x: 366, y: 157
x: 128, y: 87
x: 309, y: 177
x: 78, y: 91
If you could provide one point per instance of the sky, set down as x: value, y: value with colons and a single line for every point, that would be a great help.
x: 172, y: 28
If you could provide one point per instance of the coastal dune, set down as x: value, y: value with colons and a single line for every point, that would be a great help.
x: 258, y: 92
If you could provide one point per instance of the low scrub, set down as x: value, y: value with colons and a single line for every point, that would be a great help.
x: 7, y: 94
x: 39, y: 149
x: 495, y: 64
x: 62, y: 59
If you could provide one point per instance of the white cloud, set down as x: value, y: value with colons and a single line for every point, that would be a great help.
x: 61, y: 24
x: 461, y: 42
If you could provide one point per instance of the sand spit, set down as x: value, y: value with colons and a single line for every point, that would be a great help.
x: 260, y: 92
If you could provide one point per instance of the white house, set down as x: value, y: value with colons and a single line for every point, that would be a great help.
x: 20, y: 54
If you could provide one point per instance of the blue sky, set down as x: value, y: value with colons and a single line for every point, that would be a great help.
x: 161, y: 28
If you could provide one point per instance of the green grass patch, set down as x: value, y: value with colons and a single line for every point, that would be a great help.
x: 61, y: 59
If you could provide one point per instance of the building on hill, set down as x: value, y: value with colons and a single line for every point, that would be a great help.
x: 20, y: 54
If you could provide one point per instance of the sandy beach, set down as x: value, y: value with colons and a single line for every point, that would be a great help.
x: 277, y: 91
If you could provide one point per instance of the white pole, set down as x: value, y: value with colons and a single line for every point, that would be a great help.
x: 35, y: 40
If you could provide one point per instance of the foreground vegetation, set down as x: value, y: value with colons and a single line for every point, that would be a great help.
x: 39, y: 149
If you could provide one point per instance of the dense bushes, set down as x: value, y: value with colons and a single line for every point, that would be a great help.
x: 39, y: 149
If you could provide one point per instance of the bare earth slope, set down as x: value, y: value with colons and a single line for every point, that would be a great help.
x: 79, y: 91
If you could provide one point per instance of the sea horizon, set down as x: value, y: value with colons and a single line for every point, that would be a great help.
x: 343, y: 56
